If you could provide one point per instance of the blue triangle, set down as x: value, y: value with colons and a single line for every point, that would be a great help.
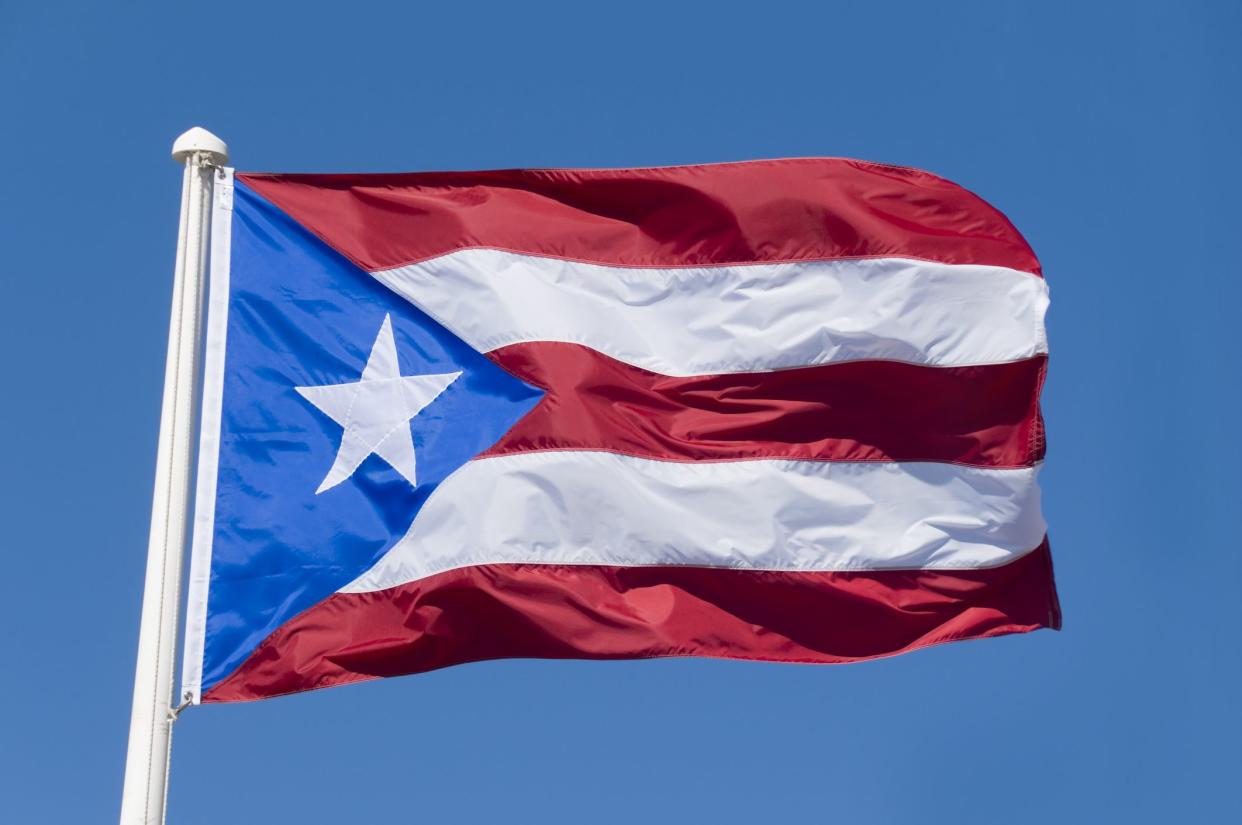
x: 301, y: 314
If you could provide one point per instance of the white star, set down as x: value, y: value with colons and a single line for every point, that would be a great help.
x: 375, y: 411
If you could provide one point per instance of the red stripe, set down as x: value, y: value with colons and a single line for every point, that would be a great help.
x: 769, y: 210
x: 861, y: 411
x: 567, y: 612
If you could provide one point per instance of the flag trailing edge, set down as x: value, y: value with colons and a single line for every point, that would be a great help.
x: 781, y: 410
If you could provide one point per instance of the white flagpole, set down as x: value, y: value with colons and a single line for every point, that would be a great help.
x: 150, y: 728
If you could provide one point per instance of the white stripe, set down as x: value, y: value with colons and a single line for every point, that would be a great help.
x: 208, y: 439
x: 601, y: 508
x: 694, y: 321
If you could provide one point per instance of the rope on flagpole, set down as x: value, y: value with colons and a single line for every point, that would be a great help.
x: 143, y: 800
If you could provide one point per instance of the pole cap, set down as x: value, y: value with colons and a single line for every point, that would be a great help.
x: 197, y: 140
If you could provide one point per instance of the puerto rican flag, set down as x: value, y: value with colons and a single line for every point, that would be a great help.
x: 782, y: 410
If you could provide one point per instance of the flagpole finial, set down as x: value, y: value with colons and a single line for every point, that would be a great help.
x: 199, y: 140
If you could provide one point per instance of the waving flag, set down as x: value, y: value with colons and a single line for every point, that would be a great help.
x: 781, y: 410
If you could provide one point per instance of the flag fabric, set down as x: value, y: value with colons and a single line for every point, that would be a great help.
x: 780, y: 410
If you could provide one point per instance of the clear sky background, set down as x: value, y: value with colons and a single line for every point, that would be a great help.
x: 1108, y: 132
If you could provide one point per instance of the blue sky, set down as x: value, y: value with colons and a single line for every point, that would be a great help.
x: 1107, y: 131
